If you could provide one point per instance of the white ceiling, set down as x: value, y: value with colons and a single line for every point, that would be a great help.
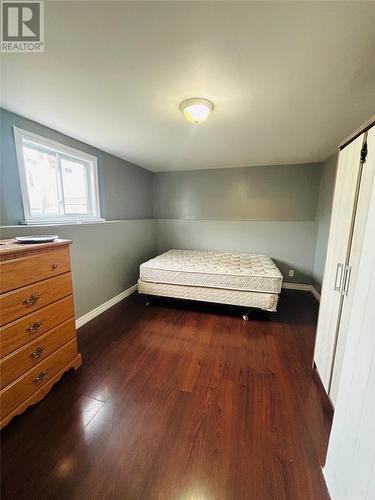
x: 289, y: 79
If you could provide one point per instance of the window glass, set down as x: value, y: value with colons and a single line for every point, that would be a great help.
x: 42, y: 180
x: 75, y: 188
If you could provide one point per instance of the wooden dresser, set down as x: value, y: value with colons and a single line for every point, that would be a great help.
x: 38, y: 340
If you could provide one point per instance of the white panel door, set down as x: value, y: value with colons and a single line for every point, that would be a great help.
x: 350, y: 465
x: 341, y: 221
x: 354, y: 259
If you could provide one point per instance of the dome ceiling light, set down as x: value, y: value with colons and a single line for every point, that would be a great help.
x: 197, y: 109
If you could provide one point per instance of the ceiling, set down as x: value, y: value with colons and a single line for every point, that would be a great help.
x: 289, y: 80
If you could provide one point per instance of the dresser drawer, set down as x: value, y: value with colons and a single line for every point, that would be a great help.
x: 25, y: 270
x: 26, y: 329
x: 30, y: 298
x: 18, y: 362
x: 19, y: 390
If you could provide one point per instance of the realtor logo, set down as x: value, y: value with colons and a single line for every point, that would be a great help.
x: 22, y: 27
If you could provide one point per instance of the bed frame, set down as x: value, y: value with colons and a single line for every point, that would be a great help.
x: 249, y: 300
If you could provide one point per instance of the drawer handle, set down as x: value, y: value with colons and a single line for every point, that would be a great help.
x: 54, y: 266
x: 33, y: 299
x: 38, y: 351
x: 34, y: 327
x: 40, y: 377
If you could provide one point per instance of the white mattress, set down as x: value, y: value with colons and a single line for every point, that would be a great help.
x: 227, y: 271
x: 266, y: 301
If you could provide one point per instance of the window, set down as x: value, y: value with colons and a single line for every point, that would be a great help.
x: 58, y: 183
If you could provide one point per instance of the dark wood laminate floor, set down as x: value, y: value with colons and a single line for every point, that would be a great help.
x: 179, y: 401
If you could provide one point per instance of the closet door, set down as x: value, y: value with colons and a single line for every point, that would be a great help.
x: 361, y: 216
x: 341, y: 225
x: 350, y: 466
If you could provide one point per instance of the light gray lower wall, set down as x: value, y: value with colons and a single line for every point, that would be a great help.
x: 289, y: 244
x: 105, y: 256
x: 326, y: 188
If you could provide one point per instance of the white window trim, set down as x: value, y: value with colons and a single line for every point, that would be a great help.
x: 19, y: 135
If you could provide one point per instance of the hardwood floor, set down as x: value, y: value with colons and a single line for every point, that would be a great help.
x: 181, y: 401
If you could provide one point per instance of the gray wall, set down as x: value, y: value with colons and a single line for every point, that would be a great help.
x: 282, y: 211
x: 105, y: 256
x: 289, y: 244
x: 270, y: 210
x: 284, y: 193
x: 325, y: 198
x: 125, y: 189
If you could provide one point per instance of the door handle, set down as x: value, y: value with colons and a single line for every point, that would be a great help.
x: 348, y: 273
x: 339, y: 273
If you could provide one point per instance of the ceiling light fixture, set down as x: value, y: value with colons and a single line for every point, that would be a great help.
x: 197, y: 109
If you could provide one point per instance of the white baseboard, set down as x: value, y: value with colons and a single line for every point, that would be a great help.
x: 103, y: 307
x: 315, y: 292
x: 303, y: 287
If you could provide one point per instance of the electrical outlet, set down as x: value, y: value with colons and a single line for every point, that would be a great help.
x: 291, y: 272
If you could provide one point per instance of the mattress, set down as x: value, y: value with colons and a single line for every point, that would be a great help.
x: 266, y: 301
x: 227, y: 271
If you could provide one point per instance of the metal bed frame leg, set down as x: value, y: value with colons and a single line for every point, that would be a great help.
x: 148, y: 301
x: 245, y: 316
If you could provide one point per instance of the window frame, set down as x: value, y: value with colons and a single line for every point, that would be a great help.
x: 43, y: 143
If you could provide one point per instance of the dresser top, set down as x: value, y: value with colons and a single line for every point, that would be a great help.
x: 13, y: 247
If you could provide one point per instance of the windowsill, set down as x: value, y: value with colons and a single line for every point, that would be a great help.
x: 69, y: 223
x: 60, y: 222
